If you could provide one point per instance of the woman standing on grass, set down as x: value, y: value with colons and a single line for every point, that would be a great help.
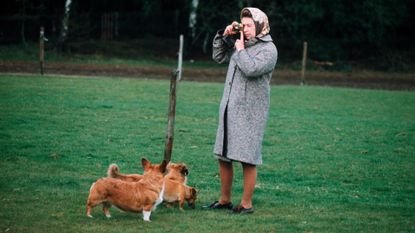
x: 244, y: 106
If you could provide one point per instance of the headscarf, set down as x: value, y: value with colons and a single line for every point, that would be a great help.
x: 260, y: 20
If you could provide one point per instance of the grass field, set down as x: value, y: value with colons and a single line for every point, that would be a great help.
x: 146, y: 52
x: 335, y: 160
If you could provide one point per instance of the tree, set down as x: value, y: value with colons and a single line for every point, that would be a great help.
x: 192, y: 18
x: 65, y: 25
x: 22, y: 28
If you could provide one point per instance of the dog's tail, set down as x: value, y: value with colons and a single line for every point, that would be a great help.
x: 113, y: 171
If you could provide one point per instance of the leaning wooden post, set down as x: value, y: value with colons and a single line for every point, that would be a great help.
x: 304, y: 63
x: 175, y: 75
x: 171, y: 116
x: 180, y: 62
x: 42, y: 49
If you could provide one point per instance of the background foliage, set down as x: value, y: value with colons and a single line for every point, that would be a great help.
x: 376, y: 32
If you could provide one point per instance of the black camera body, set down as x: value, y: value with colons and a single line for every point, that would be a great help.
x: 237, y: 27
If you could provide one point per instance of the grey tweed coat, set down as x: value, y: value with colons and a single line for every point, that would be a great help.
x: 245, y: 102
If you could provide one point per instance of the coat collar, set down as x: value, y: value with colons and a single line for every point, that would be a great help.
x: 251, y: 42
x: 266, y: 38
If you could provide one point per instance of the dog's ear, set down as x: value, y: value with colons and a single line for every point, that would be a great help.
x: 163, y: 166
x: 145, y: 163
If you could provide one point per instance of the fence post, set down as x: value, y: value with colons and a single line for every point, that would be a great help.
x: 42, y: 49
x: 180, y: 62
x: 168, y: 148
x: 304, y: 63
x: 176, y: 75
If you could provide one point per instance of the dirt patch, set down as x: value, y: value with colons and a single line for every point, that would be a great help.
x: 362, y: 79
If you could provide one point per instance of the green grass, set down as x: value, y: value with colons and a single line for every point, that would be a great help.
x: 335, y: 159
x: 144, y: 52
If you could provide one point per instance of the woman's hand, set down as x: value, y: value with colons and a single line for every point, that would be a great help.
x: 239, y: 44
x: 229, y: 30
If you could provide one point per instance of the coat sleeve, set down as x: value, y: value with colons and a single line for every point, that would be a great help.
x: 254, y: 65
x: 221, y: 51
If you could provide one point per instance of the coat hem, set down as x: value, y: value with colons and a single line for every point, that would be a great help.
x: 227, y: 159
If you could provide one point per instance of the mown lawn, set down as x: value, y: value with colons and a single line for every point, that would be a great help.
x: 335, y: 160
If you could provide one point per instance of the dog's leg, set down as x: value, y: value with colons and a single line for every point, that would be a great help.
x: 94, y: 198
x: 88, y: 211
x: 181, y: 201
x: 146, y: 215
x: 160, y: 198
x: 106, y: 208
x: 181, y: 205
x: 89, y: 205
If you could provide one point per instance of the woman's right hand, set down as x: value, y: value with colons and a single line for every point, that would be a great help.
x: 229, y: 30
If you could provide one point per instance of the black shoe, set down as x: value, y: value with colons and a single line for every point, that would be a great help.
x: 239, y: 209
x: 217, y: 206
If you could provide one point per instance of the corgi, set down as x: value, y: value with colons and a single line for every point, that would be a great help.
x: 143, y: 195
x: 179, y: 192
x: 176, y: 189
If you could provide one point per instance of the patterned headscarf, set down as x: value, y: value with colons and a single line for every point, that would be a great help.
x: 260, y: 20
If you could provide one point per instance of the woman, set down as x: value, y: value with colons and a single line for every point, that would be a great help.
x: 244, y: 106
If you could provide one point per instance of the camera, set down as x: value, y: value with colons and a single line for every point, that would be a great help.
x: 237, y: 27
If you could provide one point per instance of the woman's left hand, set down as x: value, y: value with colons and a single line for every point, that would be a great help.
x: 239, y: 44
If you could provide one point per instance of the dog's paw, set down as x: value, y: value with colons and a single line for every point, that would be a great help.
x: 146, y: 216
x: 89, y: 216
x: 168, y: 205
x: 108, y: 215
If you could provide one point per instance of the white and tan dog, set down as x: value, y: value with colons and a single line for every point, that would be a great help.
x: 143, y: 195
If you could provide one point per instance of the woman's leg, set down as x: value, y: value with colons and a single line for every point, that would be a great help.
x: 226, y: 177
x: 250, y: 175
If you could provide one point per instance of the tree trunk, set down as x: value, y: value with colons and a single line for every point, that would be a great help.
x: 193, y: 18
x: 190, y: 37
x: 22, y: 28
x: 65, y: 26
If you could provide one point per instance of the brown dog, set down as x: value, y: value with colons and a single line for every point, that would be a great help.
x: 176, y: 188
x: 177, y: 172
x: 178, y: 192
x: 143, y: 195
x: 175, y: 183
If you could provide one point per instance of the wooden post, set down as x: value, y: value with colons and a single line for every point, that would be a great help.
x: 42, y: 49
x: 175, y: 76
x: 303, y: 68
x: 180, y: 62
x: 171, y: 116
